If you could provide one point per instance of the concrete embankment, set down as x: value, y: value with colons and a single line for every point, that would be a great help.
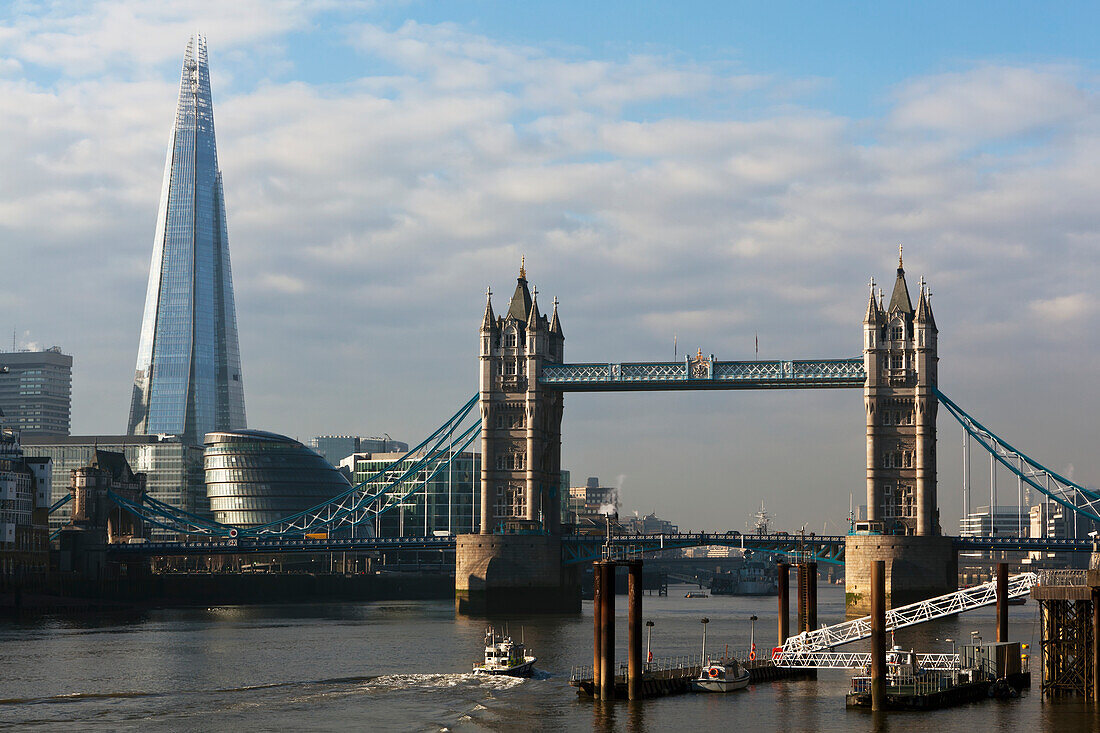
x: 69, y: 595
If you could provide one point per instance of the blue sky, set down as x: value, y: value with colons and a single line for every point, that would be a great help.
x: 714, y: 170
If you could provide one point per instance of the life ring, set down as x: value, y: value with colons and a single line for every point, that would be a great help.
x: 752, y: 656
x: 713, y: 672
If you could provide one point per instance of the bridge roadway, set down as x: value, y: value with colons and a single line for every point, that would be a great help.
x: 581, y: 548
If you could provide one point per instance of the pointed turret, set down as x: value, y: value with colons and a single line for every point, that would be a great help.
x: 520, y: 306
x: 899, y: 299
x: 555, y: 324
x: 534, y: 320
x: 874, y: 313
x: 924, y: 308
x: 489, y: 322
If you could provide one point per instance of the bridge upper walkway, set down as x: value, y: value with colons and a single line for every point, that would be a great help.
x: 698, y: 374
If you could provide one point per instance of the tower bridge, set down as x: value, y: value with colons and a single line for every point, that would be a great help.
x: 523, y: 378
x: 519, y: 557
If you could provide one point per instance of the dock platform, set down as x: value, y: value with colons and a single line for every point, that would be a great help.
x: 913, y: 698
x: 673, y: 677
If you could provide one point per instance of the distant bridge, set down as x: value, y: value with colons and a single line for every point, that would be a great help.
x: 578, y: 549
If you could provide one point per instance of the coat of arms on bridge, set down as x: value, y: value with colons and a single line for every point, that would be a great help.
x: 701, y: 367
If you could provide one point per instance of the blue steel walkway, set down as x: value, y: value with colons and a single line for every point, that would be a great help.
x: 695, y: 373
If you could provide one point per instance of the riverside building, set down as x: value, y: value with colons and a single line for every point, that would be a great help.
x: 173, y: 468
x: 255, y: 477
x: 24, y: 503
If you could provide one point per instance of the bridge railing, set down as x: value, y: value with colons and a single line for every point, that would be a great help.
x: 1062, y: 577
x: 685, y: 664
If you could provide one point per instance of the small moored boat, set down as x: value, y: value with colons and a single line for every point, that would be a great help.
x: 721, y: 675
x: 505, y: 656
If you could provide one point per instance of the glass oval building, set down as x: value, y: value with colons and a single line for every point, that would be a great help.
x: 255, y: 477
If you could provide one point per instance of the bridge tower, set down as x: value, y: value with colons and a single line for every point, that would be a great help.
x: 902, y: 523
x: 515, y: 560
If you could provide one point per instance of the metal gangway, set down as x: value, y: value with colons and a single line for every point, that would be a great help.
x: 814, y: 649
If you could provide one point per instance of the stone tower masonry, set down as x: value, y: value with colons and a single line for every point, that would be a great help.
x: 902, y: 527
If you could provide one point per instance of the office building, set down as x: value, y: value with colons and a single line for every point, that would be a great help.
x: 1004, y: 521
x: 36, y: 391
x: 255, y: 477
x: 188, y: 379
x: 173, y: 469
x: 1056, y: 521
x: 335, y: 448
x: 591, y: 501
x: 24, y: 503
x: 448, y: 502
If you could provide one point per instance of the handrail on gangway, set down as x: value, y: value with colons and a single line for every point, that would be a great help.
x: 967, y: 599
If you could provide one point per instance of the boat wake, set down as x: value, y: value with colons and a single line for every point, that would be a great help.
x: 438, y: 681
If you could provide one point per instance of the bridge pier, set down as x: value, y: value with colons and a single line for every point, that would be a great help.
x: 514, y: 574
x: 917, y: 567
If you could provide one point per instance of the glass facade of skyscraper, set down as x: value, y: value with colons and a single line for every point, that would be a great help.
x: 188, y: 379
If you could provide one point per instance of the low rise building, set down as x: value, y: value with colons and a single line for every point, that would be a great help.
x: 335, y: 448
x: 173, y: 469
x: 25, y: 489
x: 96, y: 519
x: 1003, y: 521
x: 648, y: 524
x: 590, y: 501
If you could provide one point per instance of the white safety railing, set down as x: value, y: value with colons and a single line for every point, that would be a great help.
x: 950, y: 604
x: 857, y: 660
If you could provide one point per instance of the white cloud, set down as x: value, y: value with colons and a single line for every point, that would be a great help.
x: 382, y: 207
x: 992, y: 102
x: 1063, y: 308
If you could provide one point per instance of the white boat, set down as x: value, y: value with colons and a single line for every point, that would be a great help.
x: 721, y: 675
x: 505, y: 656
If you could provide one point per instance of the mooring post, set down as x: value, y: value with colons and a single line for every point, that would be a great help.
x: 607, y: 633
x: 784, y: 601
x: 597, y: 625
x: 634, y: 630
x: 1002, y: 601
x: 801, y: 597
x: 878, y: 635
x: 1095, y: 645
x: 811, y: 596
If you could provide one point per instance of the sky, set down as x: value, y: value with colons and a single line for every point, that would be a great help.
x: 704, y: 171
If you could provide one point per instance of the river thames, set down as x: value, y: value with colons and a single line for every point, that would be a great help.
x: 404, y: 666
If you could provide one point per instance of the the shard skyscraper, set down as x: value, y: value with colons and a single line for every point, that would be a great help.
x: 188, y: 379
